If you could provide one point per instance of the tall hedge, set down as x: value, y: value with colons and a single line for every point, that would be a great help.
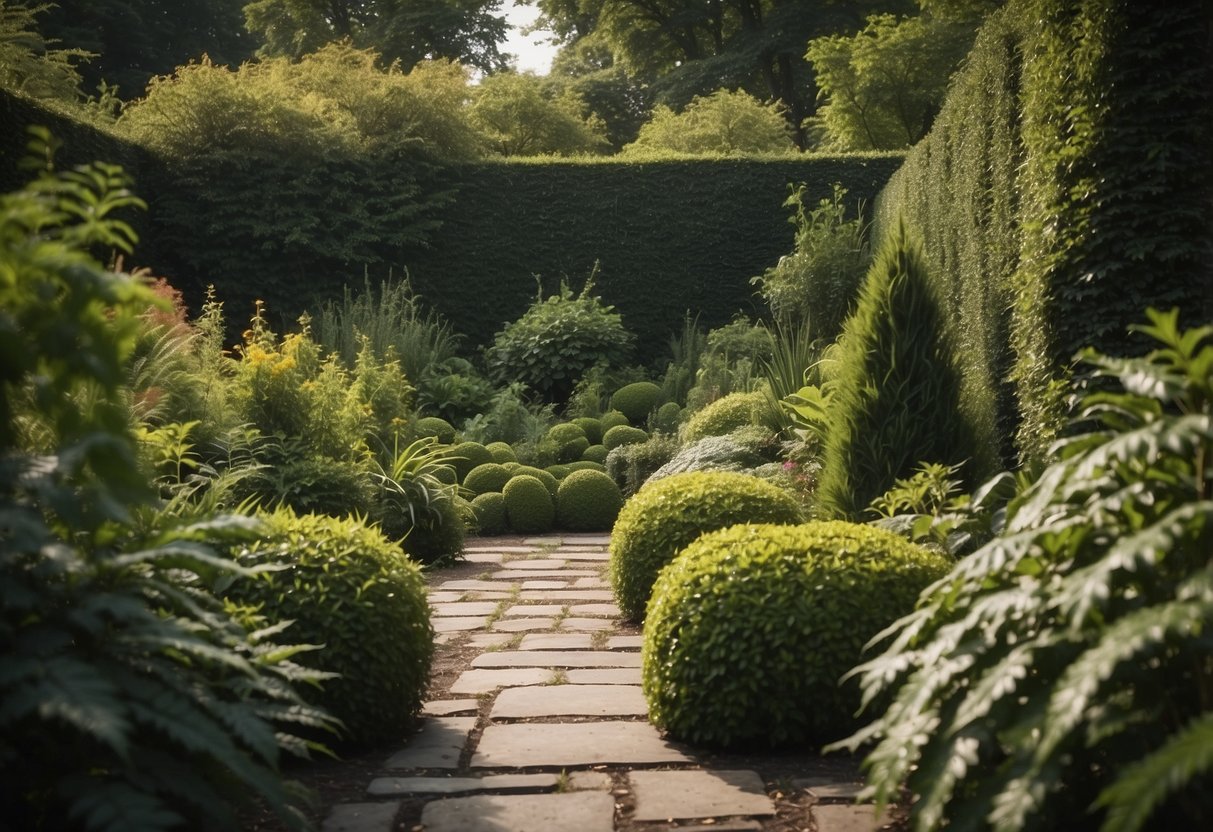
x: 1065, y: 187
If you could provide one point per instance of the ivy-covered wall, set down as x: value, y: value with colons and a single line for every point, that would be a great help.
x: 1065, y: 187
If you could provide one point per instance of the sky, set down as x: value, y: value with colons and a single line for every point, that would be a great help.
x: 533, y: 53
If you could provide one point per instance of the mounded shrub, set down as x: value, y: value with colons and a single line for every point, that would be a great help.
x: 623, y: 435
x: 596, y: 453
x: 435, y: 426
x: 612, y: 418
x: 528, y: 505
x: 666, y: 418
x: 636, y: 401
x: 592, y: 428
x: 570, y: 441
x: 665, y: 517
x: 467, y: 455
x: 585, y: 465
x: 490, y: 512
x: 482, y: 479
x: 559, y: 471
x: 725, y: 415
x: 751, y: 627
x: 630, y: 466
x: 546, y: 477
x: 446, y: 474
x: 502, y: 452
x: 348, y: 588
x: 440, y: 538
x: 587, y: 501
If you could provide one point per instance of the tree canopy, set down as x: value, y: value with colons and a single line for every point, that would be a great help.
x: 521, y: 115
x: 723, y: 123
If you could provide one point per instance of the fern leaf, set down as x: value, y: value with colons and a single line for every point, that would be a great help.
x: 107, y: 806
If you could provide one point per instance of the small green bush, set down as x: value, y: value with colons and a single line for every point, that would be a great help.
x: 440, y: 537
x: 502, y: 452
x: 435, y: 426
x: 587, y: 501
x: 612, y: 418
x: 467, y: 455
x: 623, y: 435
x: 559, y: 471
x: 630, y: 466
x: 348, y: 588
x: 485, y: 478
x: 490, y: 512
x: 596, y: 453
x: 570, y: 440
x: 592, y: 428
x: 636, y: 401
x: 546, y: 477
x: 665, y: 517
x: 585, y: 465
x: 528, y: 505
x: 666, y: 418
x: 725, y: 415
x: 751, y: 628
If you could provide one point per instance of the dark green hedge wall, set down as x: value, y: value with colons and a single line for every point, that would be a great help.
x: 669, y: 236
x: 1065, y: 187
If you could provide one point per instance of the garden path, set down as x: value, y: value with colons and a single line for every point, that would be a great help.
x: 536, y: 722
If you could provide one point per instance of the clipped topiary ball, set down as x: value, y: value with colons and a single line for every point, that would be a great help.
x: 559, y: 471
x: 585, y: 465
x: 665, y: 517
x: 485, y: 478
x: 502, y: 452
x: 623, y: 435
x: 490, y: 512
x: 348, y: 588
x: 467, y: 455
x: 570, y: 441
x: 636, y: 401
x: 596, y: 453
x: 667, y: 418
x: 528, y: 505
x: 435, y: 426
x: 592, y: 428
x: 612, y: 418
x: 439, y: 535
x: 751, y: 628
x: 724, y: 415
x: 587, y: 501
x: 546, y: 477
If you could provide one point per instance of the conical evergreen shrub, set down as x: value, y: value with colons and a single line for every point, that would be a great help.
x: 896, y: 387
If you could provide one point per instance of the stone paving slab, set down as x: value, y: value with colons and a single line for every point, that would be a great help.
x: 479, y: 549
x: 841, y: 818
x: 361, y: 817
x: 684, y: 795
x: 545, y: 540
x: 437, y: 745
x: 534, y: 609
x: 579, y: 811
x: 488, y: 595
x: 475, y: 682
x: 512, y: 574
x: 523, y: 625
x: 483, y: 557
x: 589, y: 583
x: 545, y: 584
x: 726, y: 826
x: 572, y: 623
x: 464, y: 608
x: 459, y: 624
x: 444, y: 597
x: 494, y: 641
x: 824, y: 788
x: 557, y: 641
x: 595, y: 609
x: 556, y: 658
x: 571, y: 700
x: 604, y: 676
x: 467, y: 584
x: 566, y: 595
x: 533, y: 564
x: 583, y: 780
x: 407, y: 786
x: 625, y: 642
x: 529, y: 744
x: 450, y: 707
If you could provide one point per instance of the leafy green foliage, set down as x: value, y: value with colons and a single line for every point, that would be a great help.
x: 621, y: 435
x: 636, y: 400
x: 1063, y: 668
x: 31, y: 64
x: 436, y: 427
x: 815, y: 286
x: 725, y: 415
x: 591, y: 427
x: 896, y: 389
x: 663, y: 518
x: 570, y: 441
x: 467, y: 455
x: 549, y: 480
x: 502, y: 452
x: 490, y: 512
x: 721, y: 124
x: 348, y: 588
x: 631, y: 465
x: 415, y: 489
x: 751, y: 627
x: 490, y: 476
x: 522, y: 115
x: 587, y: 501
x: 596, y: 453
x: 131, y: 696
x: 528, y: 504
x: 557, y: 340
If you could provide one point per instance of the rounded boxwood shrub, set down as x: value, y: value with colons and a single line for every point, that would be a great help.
x: 490, y: 512
x: 612, y: 418
x: 570, y: 441
x: 724, y: 415
x: 485, y: 478
x: 596, y: 453
x: 345, y: 586
x: 636, y: 401
x: 467, y: 455
x: 751, y: 627
x: 440, y: 537
x: 559, y: 471
x: 585, y: 465
x: 546, y: 477
x: 666, y: 418
x: 435, y: 426
x: 623, y: 435
x: 528, y: 505
x: 502, y: 452
x: 587, y: 501
x: 591, y: 427
x: 665, y: 517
